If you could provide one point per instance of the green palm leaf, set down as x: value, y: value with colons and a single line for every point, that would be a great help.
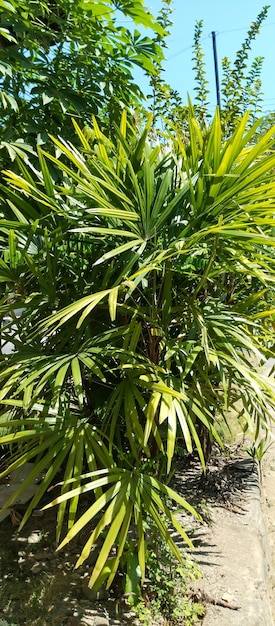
x: 137, y: 296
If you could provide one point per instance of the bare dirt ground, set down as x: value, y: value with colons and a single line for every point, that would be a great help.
x: 234, y: 555
x: 39, y: 587
x: 268, y: 492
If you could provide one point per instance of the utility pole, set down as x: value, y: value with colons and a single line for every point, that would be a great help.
x: 216, y: 68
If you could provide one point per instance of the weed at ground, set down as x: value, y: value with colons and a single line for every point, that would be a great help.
x: 166, y: 599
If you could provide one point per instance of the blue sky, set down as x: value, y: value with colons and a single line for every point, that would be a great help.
x: 230, y: 20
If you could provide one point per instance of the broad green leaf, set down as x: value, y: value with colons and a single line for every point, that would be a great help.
x: 7, y: 6
x: 46, y: 174
x: 131, y: 245
x: 77, y: 378
x: 171, y: 435
x: 100, y: 137
x: 151, y: 414
x: 109, y: 542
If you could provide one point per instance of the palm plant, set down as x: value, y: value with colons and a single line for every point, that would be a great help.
x: 145, y: 281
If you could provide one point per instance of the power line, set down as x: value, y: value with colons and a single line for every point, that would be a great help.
x: 234, y: 30
x: 184, y: 50
x: 221, y: 32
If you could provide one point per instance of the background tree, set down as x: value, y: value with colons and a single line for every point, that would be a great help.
x: 240, y: 86
x: 60, y: 59
x: 201, y: 88
x: 164, y: 102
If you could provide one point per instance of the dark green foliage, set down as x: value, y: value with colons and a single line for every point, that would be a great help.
x: 62, y: 59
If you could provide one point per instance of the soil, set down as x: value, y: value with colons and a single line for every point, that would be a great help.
x: 40, y: 586
x: 234, y: 550
x: 269, y: 511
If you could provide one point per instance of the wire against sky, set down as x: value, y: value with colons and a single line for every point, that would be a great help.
x: 220, y: 32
